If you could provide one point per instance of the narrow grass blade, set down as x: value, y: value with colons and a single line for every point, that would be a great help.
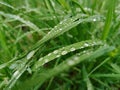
x: 41, y: 77
x: 65, y: 50
x: 28, y: 23
x: 111, y: 75
x: 103, y: 62
x: 87, y: 80
x: 8, y: 5
x: 108, y: 20
x: 66, y: 25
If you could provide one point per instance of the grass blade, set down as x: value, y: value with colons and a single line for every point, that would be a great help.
x: 108, y: 22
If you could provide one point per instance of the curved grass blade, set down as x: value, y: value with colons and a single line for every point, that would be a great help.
x: 65, y: 50
x: 65, y: 26
x: 8, y: 5
x: 28, y: 33
x: 41, y: 77
x: 28, y: 23
x: 70, y: 62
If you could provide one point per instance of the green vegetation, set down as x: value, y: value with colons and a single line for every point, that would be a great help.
x: 59, y: 45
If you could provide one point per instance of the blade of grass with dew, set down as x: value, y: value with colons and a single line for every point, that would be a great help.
x: 28, y: 23
x: 51, y: 56
x: 41, y: 77
x: 8, y: 5
x: 65, y: 26
x: 28, y: 33
x: 72, y: 22
x: 61, y: 28
x: 67, y: 64
x: 66, y: 50
x: 16, y: 76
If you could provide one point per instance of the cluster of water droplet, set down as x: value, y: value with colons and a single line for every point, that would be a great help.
x: 65, y: 23
x: 64, y: 51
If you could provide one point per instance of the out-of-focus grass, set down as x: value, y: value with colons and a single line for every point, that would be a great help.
x: 59, y: 44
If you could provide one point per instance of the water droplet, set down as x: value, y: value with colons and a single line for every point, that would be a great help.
x: 61, y: 22
x: 76, y: 58
x: 60, y: 29
x: 79, y: 54
x: 46, y: 60
x: 94, y: 19
x: 57, y: 56
x: 72, y: 49
x: 48, y: 32
x: 65, y: 20
x: 86, y: 45
x: 55, y: 27
x: 29, y: 70
x: 64, y: 52
x: 40, y: 59
x: 30, y: 55
x: 81, y: 47
x: 54, y: 16
x: 17, y: 17
x: 84, y: 51
x: 16, y: 73
x: 49, y: 54
x: 55, y: 52
x: 70, y: 62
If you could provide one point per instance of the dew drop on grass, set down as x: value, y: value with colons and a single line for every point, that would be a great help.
x: 40, y: 59
x: 55, y: 52
x: 72, y: 49
x: 81, y: 47
x: 70, y: 62
x: 76, y: 58
x: 16, y: 73
x: 29, y: 70
x: 94, y: 19
x: 60, y: 29
x: 64, y: 52
x: 48, y: 32
x: 55, y: 27
x: 30, y: 55
x: 49, y: 54
x: 57, y: 56
x: 17, y: 17
x: 86, y: 44
x: 65, y: 20
x: 54, y: 16
x: 61, y: 22
x: 84, y: 51
x: 46, y: 60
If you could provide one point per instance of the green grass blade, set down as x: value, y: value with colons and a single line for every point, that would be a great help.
x: 41, y: 77
x: 28, y: 23
x: 108, y: 22
x: 66, y: 50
